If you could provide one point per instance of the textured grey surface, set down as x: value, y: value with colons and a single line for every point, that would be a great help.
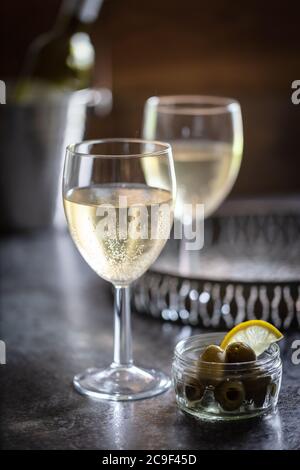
x: 56, y: 319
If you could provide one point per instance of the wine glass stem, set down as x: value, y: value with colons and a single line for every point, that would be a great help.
x: 122, y: 328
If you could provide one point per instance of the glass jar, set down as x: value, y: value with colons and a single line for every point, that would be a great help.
x: 215, y: 391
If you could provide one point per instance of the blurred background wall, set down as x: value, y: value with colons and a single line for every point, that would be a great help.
x: 247, y: 50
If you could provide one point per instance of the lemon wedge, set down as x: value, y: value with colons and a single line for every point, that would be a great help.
x: 258, y: 334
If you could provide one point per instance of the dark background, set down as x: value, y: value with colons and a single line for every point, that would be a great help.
x: 246, y: 50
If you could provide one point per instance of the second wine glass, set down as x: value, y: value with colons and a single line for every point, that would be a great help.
x: 206, y: 135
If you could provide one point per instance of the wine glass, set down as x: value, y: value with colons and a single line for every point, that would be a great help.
x: 119, y: 222
x: 206, y: 135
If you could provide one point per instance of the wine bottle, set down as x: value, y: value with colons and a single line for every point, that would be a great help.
x: 61, y: 60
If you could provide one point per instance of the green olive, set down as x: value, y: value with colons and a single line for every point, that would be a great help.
x: 257, y: 388
x: 230, y: 394
x: 194, y: 390
x: 210, y: 365
x: 213, y: 353
x: 273, y: 389
x: 239, y: 352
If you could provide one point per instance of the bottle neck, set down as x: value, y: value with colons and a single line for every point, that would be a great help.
x: 77, y: 15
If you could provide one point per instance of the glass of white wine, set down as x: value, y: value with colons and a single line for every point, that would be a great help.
x: 206, y: 134
x: 119, y: 222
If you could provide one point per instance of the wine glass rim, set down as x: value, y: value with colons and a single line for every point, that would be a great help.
x: 164, y: 150
x: 193, y: 104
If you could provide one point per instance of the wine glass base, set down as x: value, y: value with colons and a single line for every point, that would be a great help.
x: 121, y: 383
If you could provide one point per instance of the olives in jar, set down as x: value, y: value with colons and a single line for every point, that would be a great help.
x: 239, y: 352
x: 209, y: 387
x: 230, y: 394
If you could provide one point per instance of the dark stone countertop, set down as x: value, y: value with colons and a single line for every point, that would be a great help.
x: 56, y: 320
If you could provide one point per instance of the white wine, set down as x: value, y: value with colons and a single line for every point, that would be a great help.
x: 119, y: 245
x: 205, y: 173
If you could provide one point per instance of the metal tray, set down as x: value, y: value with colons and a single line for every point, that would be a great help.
x: 249, y: 268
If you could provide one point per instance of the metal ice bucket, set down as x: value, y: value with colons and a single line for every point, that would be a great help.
x: 33, y: 139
